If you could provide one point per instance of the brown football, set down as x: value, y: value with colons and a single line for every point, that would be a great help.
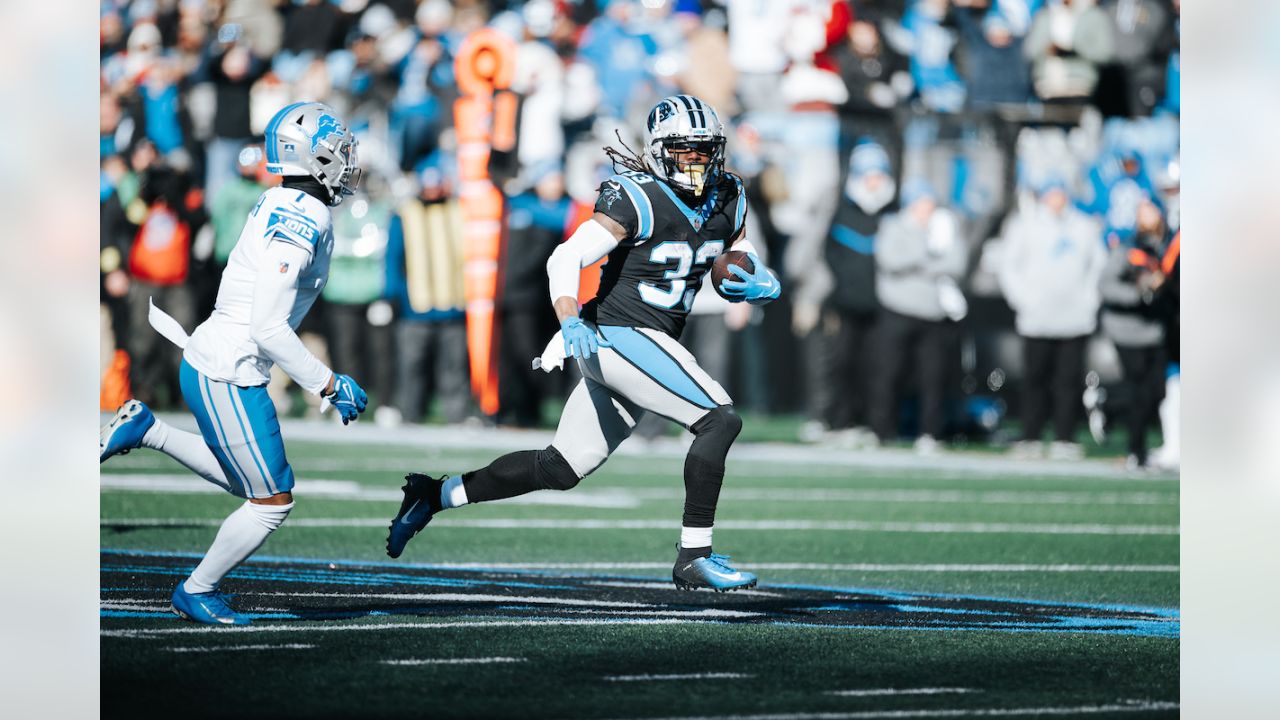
x: 720, y: 269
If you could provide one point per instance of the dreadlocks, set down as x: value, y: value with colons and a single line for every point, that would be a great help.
x: 629, y: 159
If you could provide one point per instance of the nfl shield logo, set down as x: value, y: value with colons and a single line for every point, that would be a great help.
x: 284, y: 268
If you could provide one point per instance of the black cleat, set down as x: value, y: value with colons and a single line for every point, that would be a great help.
x: 421, y: 502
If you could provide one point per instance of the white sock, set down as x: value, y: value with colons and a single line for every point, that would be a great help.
x: 695, y: 537
x: 453, y: 493
x: 188, y: 449
x: 242, y: 533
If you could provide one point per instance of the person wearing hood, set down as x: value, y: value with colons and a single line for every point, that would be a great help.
x: 1049, y: 272
x: 850, y: 315
x: 920, y: 256
x: 1132, y: 318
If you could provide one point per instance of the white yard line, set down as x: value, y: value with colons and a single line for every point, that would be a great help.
x: 941, y: 528
x: 455, y: 661
x: 300, y: 628
x: 431, y: 442
x: 1135, y: 706
x: 624, y: 497
x: 231, y: 648
x: 889, y: 692
x: 689, y: 676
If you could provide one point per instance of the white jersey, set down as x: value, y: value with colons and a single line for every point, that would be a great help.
x: 276, y: 271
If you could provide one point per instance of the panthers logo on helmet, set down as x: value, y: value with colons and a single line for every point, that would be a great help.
x: 662, y: 111
x: 327, y: 125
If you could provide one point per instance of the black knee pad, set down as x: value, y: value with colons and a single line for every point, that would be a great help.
x: 714, y: 433
x: 552, y: 471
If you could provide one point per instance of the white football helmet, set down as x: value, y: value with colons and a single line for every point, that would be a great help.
x: 308, y: 139
x: 684, y: 122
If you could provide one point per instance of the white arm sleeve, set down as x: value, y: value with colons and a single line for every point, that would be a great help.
x: 590, y: 242
x: 273, y: 297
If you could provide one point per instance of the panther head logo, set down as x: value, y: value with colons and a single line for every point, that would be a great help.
x: 328, y: 125
x: 610, y: 194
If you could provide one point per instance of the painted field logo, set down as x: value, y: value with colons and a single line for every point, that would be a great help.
x: 137, y: 585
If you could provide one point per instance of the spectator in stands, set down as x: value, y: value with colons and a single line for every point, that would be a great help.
x: 1068, y: 42
x: 159, y: 261
x: 231, y: 206
x: 878, y: 81
x: 1144, y: 38
x: 919, y: 256
x: 1051, y: 263
x: 359, y: 320
x: 537, y: 221
x: 938, y: 84
x: 1131, y: 319
x: 233, y: 69
x: 991, y: 33
x: 424, y: 280
x: 851, y: 309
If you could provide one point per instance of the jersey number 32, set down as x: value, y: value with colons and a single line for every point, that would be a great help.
x: 678, y: 292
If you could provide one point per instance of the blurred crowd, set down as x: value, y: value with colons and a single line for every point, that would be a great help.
x: 973, y: 204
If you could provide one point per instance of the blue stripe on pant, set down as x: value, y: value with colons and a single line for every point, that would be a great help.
x: 240, y: 426
x: 651, y: 359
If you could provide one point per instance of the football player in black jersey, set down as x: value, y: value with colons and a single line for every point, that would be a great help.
x: 661, y: 222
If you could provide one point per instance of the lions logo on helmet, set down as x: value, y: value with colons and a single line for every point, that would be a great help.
x: 308, y: 139
x: 683, y: 124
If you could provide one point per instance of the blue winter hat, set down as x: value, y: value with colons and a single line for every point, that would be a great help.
x: 541, y: 169
x: 1050, y: 182
x: 431, y: 170
x: 868, y: 157
x: 917, y: 189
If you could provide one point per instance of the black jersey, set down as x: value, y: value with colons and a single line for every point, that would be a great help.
x: 650, y: 279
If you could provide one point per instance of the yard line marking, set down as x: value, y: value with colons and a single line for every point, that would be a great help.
x: 1119, y: 707
x: 944, y: 528
x: 832, y: 567
x: 454, y: 661
x: 689, y: 676
x: 878, y: 692
x: 215, y: 648
x: 352, y: 490
x: 299, y: 628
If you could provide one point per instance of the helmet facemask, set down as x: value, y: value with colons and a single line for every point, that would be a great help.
x: 685, y: 175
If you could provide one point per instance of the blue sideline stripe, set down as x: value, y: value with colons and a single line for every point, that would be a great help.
x: 250, y: 441
x: 644, y: 208
x: 650, y: 359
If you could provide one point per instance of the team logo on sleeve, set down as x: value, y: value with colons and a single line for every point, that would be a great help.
x: 328, y: 125
x: 610, y: 194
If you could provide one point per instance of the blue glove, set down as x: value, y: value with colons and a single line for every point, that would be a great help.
x: 348, y: 397
x: 580, y: 341
x: 757, y: 287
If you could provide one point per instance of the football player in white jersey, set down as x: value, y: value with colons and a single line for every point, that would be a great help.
x: 276, y: 271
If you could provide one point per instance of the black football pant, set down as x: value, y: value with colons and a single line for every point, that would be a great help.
x: 1144, y: 369
x: 844, y: 354
x: 899, y: 338
x: 1054, y: 378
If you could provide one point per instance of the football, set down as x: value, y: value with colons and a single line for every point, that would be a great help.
x: 720, y: 269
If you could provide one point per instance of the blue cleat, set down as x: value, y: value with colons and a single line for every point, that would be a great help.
x: 421, y: 502
x: 210, y: 608
x: 125, y: 430
x: 712, y: 573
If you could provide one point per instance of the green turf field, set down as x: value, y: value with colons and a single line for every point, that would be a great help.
x: 960, y: 586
